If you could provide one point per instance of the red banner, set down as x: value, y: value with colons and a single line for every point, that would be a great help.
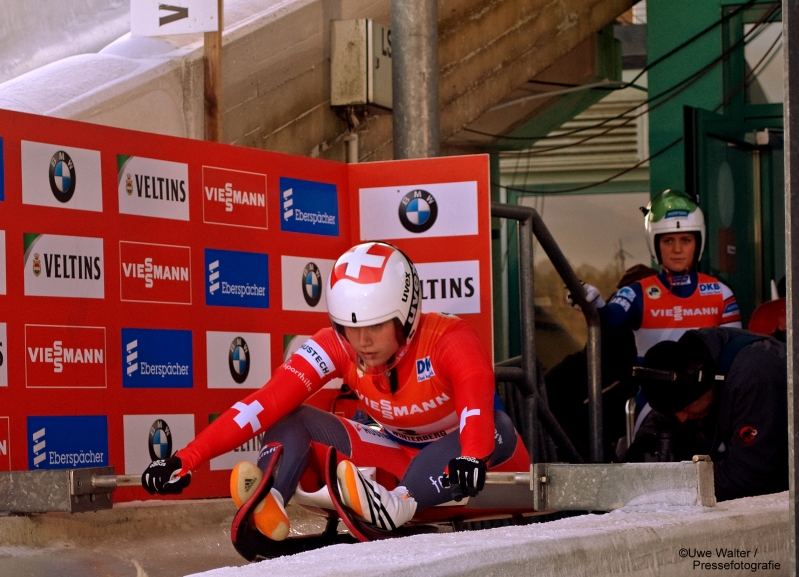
x: 147, y: 283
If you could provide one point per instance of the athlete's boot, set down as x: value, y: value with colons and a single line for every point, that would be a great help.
x: 372, y: 502
x: 269, y: 516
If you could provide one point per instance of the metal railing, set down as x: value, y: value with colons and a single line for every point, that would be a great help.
x: 526, y: 377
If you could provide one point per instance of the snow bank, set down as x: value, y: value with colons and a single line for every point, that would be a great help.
x: 640, y: 540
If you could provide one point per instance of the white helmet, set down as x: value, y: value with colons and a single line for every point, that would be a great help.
x: 371, y: 283
x: 669, y: 212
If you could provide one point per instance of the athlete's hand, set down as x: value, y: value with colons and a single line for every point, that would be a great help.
x: 466, y: 476
x: 592, y: 295
x: 161, y: 477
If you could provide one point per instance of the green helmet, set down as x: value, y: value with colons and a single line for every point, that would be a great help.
x: 673, y: 211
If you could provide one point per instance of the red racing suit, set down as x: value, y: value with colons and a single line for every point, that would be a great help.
x: 445, y: 382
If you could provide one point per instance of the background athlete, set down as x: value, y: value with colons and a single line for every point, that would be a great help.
x: 664, y: 306
x: 425, y: 378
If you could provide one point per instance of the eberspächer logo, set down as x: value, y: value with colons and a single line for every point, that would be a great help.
x: 239, y: 360
x: 157, y: 358
x: 236, y: 279
x: 67, y: 442
x: 418, y: 211
x: 308, y: 207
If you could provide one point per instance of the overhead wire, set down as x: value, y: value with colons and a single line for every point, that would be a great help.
x: 646, y: 68
x: 666, y: 95
x: 756, y: 30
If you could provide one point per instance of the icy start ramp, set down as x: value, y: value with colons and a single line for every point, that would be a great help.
x: 749, y: 535
x: 276, y: 70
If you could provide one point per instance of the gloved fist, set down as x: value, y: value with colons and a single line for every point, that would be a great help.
x: 466, y: 476
x: 161, y: 477
x: 592, y: 295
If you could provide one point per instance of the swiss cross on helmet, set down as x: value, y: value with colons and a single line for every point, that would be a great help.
x: 673, y: 211
x: 372, y: 283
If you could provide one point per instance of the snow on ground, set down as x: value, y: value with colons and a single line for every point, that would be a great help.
x: 642, y: 540
x: 33, y: 34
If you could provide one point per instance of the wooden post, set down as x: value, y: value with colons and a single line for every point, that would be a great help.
x: 212, y: 75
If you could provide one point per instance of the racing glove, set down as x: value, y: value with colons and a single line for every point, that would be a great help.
x: 592, y: 295
x: 466, y: 476
x: 161, y: 477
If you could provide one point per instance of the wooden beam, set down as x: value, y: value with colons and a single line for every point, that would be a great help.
x: 212, y: 75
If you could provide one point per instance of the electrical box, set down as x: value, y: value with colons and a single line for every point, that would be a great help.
x: 360, y: 64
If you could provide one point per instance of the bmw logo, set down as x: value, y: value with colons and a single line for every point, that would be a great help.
x: 418, y: 211
x: 238, y: 360
x: 62, y: 176
x: 160, y: 444
x: 311, y: 284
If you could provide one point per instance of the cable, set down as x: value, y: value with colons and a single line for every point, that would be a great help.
x: 675, y: 90
x: 593, y: 184
x: 649, y: 66
x: 726, y: 99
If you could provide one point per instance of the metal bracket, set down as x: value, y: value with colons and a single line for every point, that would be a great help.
x: 599, y: 487
x: 65, y: 490
x: 605, y: 487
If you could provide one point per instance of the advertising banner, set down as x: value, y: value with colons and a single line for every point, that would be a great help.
x: 183, y: 273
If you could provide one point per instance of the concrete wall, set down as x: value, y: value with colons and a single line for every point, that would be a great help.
x: 276, y: 71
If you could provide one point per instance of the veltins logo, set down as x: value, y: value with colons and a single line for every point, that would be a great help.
x: 444, y: 209
x: 236, y: 279
x: 3, y: 356
x: 450, y: 287
x: 63, y: 266
x: 150, y: 187
x: 234, y: 197
x: 2, y: 262
x: 156, y: 273
x: 61, y: 176
x: 238, y: 360
x: 67, y: 442
x: 151, y: 437
x: 303, y: 282
x: 64, y: 357
x: 2, y: 173
x: 309, y: 207
x: 156, y: 359
x: 5, y: 444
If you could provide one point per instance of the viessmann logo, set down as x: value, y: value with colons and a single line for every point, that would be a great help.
x: 234, y: 197
x: 65, y: 356
x: 155, y: 273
